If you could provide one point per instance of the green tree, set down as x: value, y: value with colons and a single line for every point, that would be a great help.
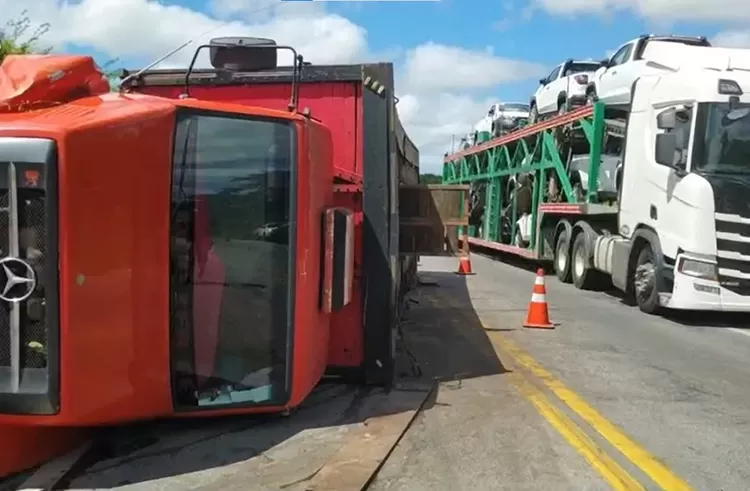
x: 21, y: 36
x: 430, y: 179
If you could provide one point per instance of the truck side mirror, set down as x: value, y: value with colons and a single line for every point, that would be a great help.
x: 542, y: 81
x: 604, y: 62
x: 667, y: 120
x: 666, y: 146
x: 338, y: 259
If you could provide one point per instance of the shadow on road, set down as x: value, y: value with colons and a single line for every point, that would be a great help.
x: 516, y: 261
x: 443, y: 331
x: 736, y: 320
x: 442, y: 340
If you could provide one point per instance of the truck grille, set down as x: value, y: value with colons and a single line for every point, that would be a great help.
x: 733, y: 252
x: 23, y: 252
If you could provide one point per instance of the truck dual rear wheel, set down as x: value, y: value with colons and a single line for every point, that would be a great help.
x: 562, y: 257
x: 584, y: 276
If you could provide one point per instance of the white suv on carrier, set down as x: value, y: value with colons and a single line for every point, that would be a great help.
x: 562, y: 89
x: 613, y: 82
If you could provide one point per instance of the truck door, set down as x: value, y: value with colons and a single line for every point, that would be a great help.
x: 232, y: 250
x: 654, y: 193
x: 430, y: 217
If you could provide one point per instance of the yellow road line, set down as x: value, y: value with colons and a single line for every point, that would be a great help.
x: 639, y: 456
x: 615, y: 475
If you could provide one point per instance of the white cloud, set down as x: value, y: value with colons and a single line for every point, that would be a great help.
x: 443, y: 90
x: 148, y: 29
x: 444, y: 93
x: 655, y: 10
x: 433, y: 120
x: 438, y: 67
x: 732, y: 39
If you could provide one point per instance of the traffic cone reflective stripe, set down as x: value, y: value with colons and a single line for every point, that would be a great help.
x: 464, y: 266
x: 537, y: 315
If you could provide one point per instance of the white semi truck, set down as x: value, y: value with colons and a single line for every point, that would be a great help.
x: 676, y: 233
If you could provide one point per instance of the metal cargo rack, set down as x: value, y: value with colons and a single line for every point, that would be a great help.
x: 526, y: 171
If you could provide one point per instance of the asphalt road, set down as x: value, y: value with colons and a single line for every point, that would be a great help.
x: 610, y: 399
x: 650, y: 402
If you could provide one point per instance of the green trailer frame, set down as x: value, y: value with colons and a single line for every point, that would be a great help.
x: 537, y: 150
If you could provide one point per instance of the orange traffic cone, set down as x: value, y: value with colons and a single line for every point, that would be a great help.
x: 464, y: 266
x: 537, y: 315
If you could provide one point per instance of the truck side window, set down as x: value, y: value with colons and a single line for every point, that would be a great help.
x: 682, y: 131
x: 684, y: 122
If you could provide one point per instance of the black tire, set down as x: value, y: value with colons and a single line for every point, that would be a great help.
x: 562, y: 257
x: 578, y: 193
x: 583, y: 275
x: 591, y: 96
x: 562, y: 107
x: 645, y: 280
x: 533, y: 115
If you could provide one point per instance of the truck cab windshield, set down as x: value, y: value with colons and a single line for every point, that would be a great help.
x: 725, y: 146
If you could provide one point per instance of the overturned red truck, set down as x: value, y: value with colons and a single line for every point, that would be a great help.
x: 205, y: 242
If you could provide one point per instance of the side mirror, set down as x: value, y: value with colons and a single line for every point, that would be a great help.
x: 666, y: 146
x: 337, y: 265
x: 542, y: 81
x: 667, y: 120
x: 604, y: 62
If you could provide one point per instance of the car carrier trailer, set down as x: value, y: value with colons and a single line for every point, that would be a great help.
x: 657, y: 205
x: 206, y: 243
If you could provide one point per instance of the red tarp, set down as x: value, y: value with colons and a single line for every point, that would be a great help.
x: 36, y: 81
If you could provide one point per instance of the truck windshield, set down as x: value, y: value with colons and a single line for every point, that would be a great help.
x: 725, y: 145
x: 231, y: 249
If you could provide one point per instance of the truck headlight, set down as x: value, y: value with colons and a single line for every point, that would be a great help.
x: 698, y: 269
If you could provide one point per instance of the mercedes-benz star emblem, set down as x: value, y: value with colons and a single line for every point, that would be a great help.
x: 19, y: 282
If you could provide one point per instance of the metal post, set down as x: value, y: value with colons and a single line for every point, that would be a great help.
x: 595, y: 152
x: 15, y: 313
x: 465, y: 242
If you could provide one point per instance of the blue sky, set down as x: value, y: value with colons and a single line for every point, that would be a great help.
x: 453, y: 59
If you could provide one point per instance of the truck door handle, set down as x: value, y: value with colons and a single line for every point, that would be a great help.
x: 614, y: 72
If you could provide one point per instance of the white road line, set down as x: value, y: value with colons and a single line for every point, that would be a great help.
x: 746, y: 332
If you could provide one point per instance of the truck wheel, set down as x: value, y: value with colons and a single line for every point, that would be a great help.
x: 562, y: 257
x: 644, y: 281
x: 583, y: 275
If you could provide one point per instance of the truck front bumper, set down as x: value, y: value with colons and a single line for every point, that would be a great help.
x: 691, y: 293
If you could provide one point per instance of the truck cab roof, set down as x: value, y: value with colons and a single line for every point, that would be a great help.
x: 691, y: 84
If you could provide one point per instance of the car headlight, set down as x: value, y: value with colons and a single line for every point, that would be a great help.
x: 698, y: 269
